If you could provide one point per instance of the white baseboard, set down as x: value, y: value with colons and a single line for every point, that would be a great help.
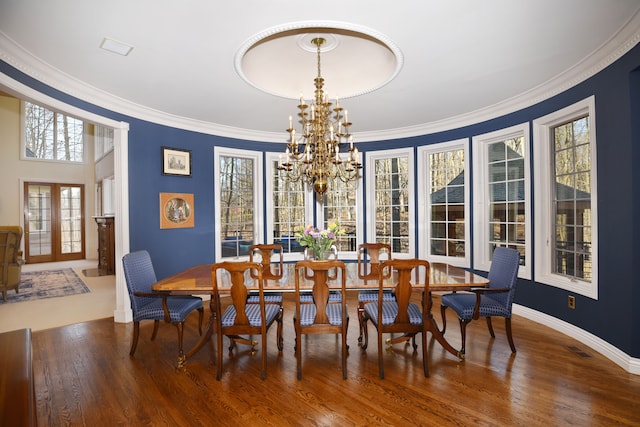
x: 619, y: 357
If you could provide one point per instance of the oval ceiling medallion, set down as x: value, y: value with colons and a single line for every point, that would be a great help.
x: 283, y: 61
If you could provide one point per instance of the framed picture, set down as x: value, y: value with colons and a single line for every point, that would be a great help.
x: 176, y: 210
x: 176, y: 162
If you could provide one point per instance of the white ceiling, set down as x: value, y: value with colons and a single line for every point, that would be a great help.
x: 460, y: 61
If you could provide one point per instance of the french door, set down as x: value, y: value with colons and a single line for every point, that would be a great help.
x: 53, y: 222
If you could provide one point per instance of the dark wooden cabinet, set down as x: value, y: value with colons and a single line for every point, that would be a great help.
x: 106, y: 245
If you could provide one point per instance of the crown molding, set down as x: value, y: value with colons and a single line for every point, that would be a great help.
x: 605, y: 55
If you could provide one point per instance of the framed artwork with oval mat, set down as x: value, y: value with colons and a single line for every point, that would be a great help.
x: 176, y: 210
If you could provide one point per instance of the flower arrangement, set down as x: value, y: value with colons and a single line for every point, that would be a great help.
x: 319, y: 240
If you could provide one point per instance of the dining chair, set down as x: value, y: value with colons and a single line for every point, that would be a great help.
x: 320, y: 316
x: 369, y: 257
x: 334, y: 296
x: 239, y: 318
x: 264, y: 254
x: 494, y: 300
x: 148, y: 305
x: 400, y: 315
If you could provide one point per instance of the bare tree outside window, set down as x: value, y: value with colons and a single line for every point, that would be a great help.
x: 237, y: 205
x: 572, y: 199
x: 50, y: 135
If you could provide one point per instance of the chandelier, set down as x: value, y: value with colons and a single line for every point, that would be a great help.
x: 314, y: 156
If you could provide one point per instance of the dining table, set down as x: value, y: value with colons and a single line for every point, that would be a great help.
x: 197, y: 280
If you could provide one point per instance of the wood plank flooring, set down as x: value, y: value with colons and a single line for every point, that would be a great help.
x: 85, y: 377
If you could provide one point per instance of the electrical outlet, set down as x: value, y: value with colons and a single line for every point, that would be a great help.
x: 572, y: 301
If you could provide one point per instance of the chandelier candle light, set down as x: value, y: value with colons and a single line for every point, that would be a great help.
x: 315, y: 156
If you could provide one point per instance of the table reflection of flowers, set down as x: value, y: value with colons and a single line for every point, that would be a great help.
x: 319, y: 241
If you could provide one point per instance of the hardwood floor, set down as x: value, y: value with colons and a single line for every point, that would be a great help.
x: 84, y: 376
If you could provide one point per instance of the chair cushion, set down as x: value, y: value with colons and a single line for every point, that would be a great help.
x: 270, y: 298
x: 253, y: 314
x: 307, y: 297
x: 390, y: 311
x: 179, y: 308
x: 372, y: 296
x: 463, y: 304
x: 308, y: 314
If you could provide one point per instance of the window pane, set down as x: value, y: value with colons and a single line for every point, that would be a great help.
x: 52, y: 136
x: 507, y: 194
x: 236, y: 198
x: 392, y: 203
x: 572, y: 199
x: 446, y: 194
x: 288, y: 211
x: 340, y: 206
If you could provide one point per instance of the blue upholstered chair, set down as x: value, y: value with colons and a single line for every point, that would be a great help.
x: 239, y: 317
x: 149, y: 305
x: 495, y: 300
x: 369, y: 257
x: 399, y: 315
x: 319, y: 316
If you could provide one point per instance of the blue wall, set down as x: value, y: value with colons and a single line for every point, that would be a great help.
x: 617, y: 91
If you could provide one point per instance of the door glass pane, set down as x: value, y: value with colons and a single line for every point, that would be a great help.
x: 70, y: 220
x: 39, y: 217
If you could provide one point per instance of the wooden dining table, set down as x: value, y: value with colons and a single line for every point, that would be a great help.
x: 196, y: 280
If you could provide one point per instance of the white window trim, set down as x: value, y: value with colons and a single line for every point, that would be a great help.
x: 258, y: 194
x: 371, y: 157
x: 424, y: 201
x: 480, y: 144
x: 543, y: 189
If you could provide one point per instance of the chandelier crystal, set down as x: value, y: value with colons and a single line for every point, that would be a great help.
x: 314, y: 156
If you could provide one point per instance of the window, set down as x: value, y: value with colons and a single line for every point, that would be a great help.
x: 291, y: 205
x: 340, y: 205
x: 238, y: 199
x: 501, y: 190
x: 288, y: 207
x: 443, y: 199
x: 103, y: 141
x: 566, y: 247
x: 48, y: 135
x: 391, y: 200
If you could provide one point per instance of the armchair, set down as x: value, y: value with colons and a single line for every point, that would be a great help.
x: 10, y: 258
x: 148, y: 305
x: 495, y: 300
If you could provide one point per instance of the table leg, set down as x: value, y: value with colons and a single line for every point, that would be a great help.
x: 432, y: 327
x: 205, y: 338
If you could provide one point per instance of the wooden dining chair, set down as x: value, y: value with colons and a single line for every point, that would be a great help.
x: 494, y: 300
x: 320, y: 316
x: 369, y: 257
x: 239, y: 318
x: 264, y: 254
x: 400, y: 315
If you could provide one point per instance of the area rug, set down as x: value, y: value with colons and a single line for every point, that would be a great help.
x: 46, y: 284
